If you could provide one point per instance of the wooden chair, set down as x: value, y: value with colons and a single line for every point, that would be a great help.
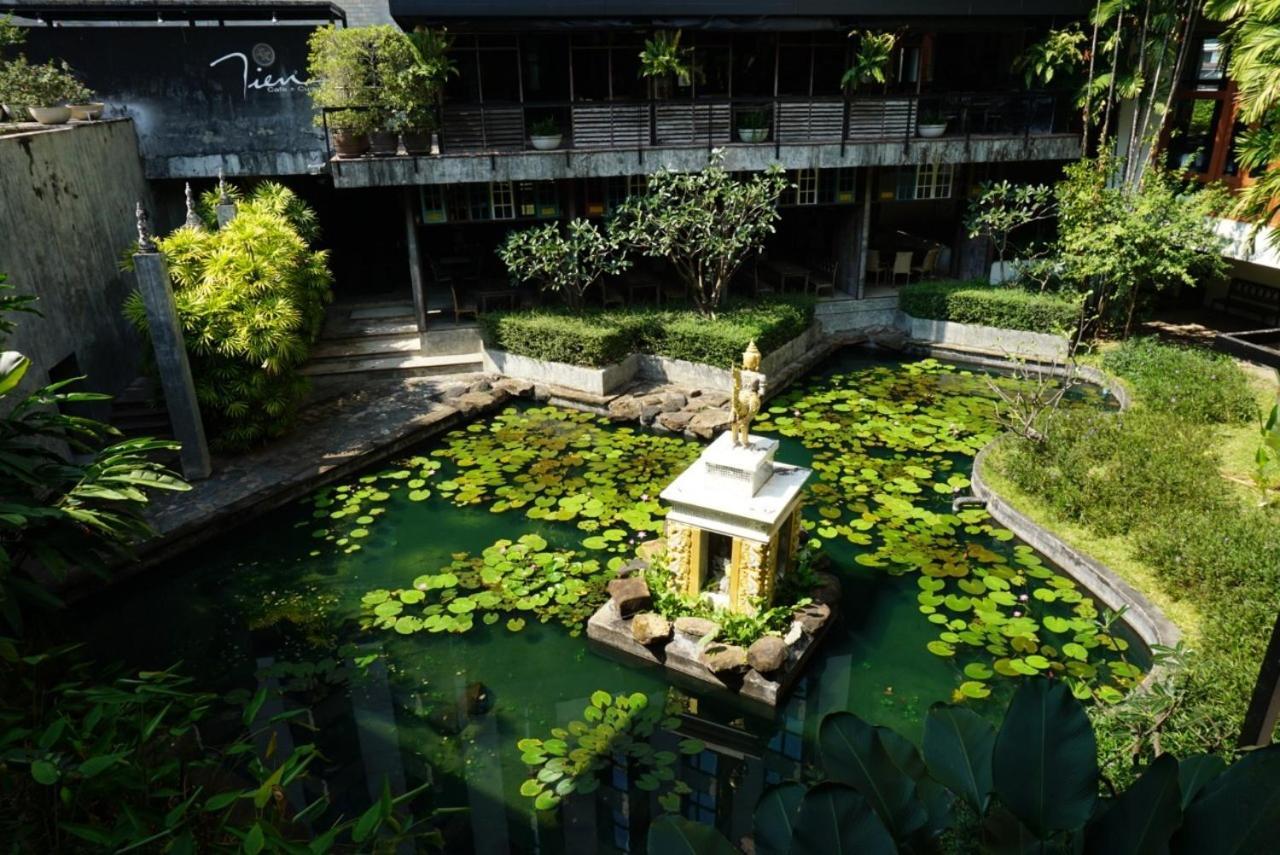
x: 926, y: 268
x: 902, y: 266
x: 465, y: 305
x: 875, y: 265
x: 822, y: 279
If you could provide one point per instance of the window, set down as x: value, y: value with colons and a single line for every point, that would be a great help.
x: 933, y: 181
x: 433, y: 204
x: 806, y: 186
x: 637, y: 185
x: 846, y: 185
x: 503, y: 200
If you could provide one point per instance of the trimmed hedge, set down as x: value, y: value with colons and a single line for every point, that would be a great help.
x: 1001, y: 306
x: 598, y: 338
x: 1192, y: 383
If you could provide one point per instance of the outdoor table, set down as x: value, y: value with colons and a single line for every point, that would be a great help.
x: 787, y: 271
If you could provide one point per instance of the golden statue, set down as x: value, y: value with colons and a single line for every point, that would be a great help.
x: 745, y: 402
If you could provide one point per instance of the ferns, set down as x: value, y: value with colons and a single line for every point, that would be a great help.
x: 251, y: 300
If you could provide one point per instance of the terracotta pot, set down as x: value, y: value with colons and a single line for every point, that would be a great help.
x: 417, y: 142
x: 50, y: 115
x: 86, y: 112
x: 383, y: 143
x: 348, y: 144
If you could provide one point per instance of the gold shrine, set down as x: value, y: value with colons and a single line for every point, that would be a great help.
x: 733, y: 527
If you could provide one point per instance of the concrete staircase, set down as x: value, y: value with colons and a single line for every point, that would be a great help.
x: 138, y: 410
x: 381, y: 341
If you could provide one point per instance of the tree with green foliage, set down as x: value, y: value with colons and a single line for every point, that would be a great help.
x: 706, y: 223
x: 568, y: 260
x: 72, y: 492
x: 1031, y: 784
x: 1252, y: 36
x: 1003, y: 208
x: 1123, y: 242
x: 251, y: 300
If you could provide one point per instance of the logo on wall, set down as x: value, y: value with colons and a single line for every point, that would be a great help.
x: 256, y: 74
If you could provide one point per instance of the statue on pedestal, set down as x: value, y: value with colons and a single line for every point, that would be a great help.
x: 745, y: 402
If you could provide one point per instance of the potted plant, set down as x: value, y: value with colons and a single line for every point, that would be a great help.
x: 932, y: 123
x: 753, y: 126
x: 49, y: 88
x: 545, y: 134
x: 663, y: 60
x: 413, y: 85
x: 871, y: 61
x: 344, y: 64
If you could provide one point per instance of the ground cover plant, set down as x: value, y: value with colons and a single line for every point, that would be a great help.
x: 250, y: 298
x: 599, y: 338
x: 1151, y: 480
x: 1004, y: 306
x: 1030, y: 784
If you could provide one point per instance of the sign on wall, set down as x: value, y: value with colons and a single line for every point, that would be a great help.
x: 202, y: 98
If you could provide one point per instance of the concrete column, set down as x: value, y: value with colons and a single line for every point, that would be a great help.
x: 415, y: 262
x: 681, y: 555
x: 852, y: 236
x: 171, y: 353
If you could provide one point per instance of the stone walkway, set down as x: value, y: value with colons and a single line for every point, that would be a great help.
x: 333, y: 437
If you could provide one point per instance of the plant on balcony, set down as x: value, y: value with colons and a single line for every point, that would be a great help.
x: 871, y: 60
x: 344, y: 63
x: 413, y: 71
x: 250, y: 297
x: 705, y: 223
x: 753, y: 126
x: 663, y: 59
x: 545, y: 133
x: 43, y: 90
x: 567, y: 261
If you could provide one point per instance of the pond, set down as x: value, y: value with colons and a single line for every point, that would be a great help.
x: 431, y: 613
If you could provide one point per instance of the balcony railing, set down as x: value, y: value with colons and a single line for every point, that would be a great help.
x: 711, y: 122
x: 588, y: 125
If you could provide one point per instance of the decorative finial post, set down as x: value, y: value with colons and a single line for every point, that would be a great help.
x: 146, y: 241
x: 223, y: 197
x: 193, y: 218
x: 751, y: 357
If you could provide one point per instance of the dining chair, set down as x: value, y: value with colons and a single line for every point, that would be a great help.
x: 822, y: 279
x: 925, y: 269
x: 875, y: 265
x: 465, y: 305
x: 902, y: 266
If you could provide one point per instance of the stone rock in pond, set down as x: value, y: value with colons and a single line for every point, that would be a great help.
x: 650, y: 628
x: 634, y: 567
x: 541, y: 394
x: 695, y: 627
x: 713, y: 398
x: 827, y: 591
x: 767, y: 654
x: 725, y: 659
x: 453, y: 390
x: 812, y: 617
x: 518, y: 388
x: 708, y: 423
x: 651, y: 549
x: 630, y: 595
x: 624, y: 409
x: 674, y: 421
x: 673, y: 401
x: 473, y: 401
x: 649, y: 412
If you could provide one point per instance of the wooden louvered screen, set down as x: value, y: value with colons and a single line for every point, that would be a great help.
x: 809, y: 121
x: 610, y: 125
x: 880, y: 119
x: 696, y: 124
x: 468, y: 128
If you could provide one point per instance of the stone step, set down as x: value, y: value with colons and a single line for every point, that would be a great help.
x: 353, y: 347
x: 395, y: 365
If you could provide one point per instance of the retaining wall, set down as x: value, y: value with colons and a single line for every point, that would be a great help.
x: 1016, y: 343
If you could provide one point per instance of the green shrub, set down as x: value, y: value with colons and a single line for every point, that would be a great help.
x: 250, y: 297
x: 599, y: 338
x: 991, y: 305
x: 1191, y: 383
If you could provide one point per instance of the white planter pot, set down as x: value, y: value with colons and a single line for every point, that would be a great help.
x: 86, y: 112
x: 50, y: 115
x: 753, y: 135
x: 546, y: 143
x: 932, y: 131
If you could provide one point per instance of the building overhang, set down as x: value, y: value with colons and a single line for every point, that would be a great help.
x: 484, y: 167
x: 53, y: 12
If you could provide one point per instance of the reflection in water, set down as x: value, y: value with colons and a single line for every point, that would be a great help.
x: 263, y: 606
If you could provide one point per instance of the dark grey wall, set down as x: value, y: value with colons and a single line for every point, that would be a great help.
x: 202, y: 98
x: 67, y: 199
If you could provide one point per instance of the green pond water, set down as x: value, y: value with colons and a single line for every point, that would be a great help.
x: 377, y: 619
